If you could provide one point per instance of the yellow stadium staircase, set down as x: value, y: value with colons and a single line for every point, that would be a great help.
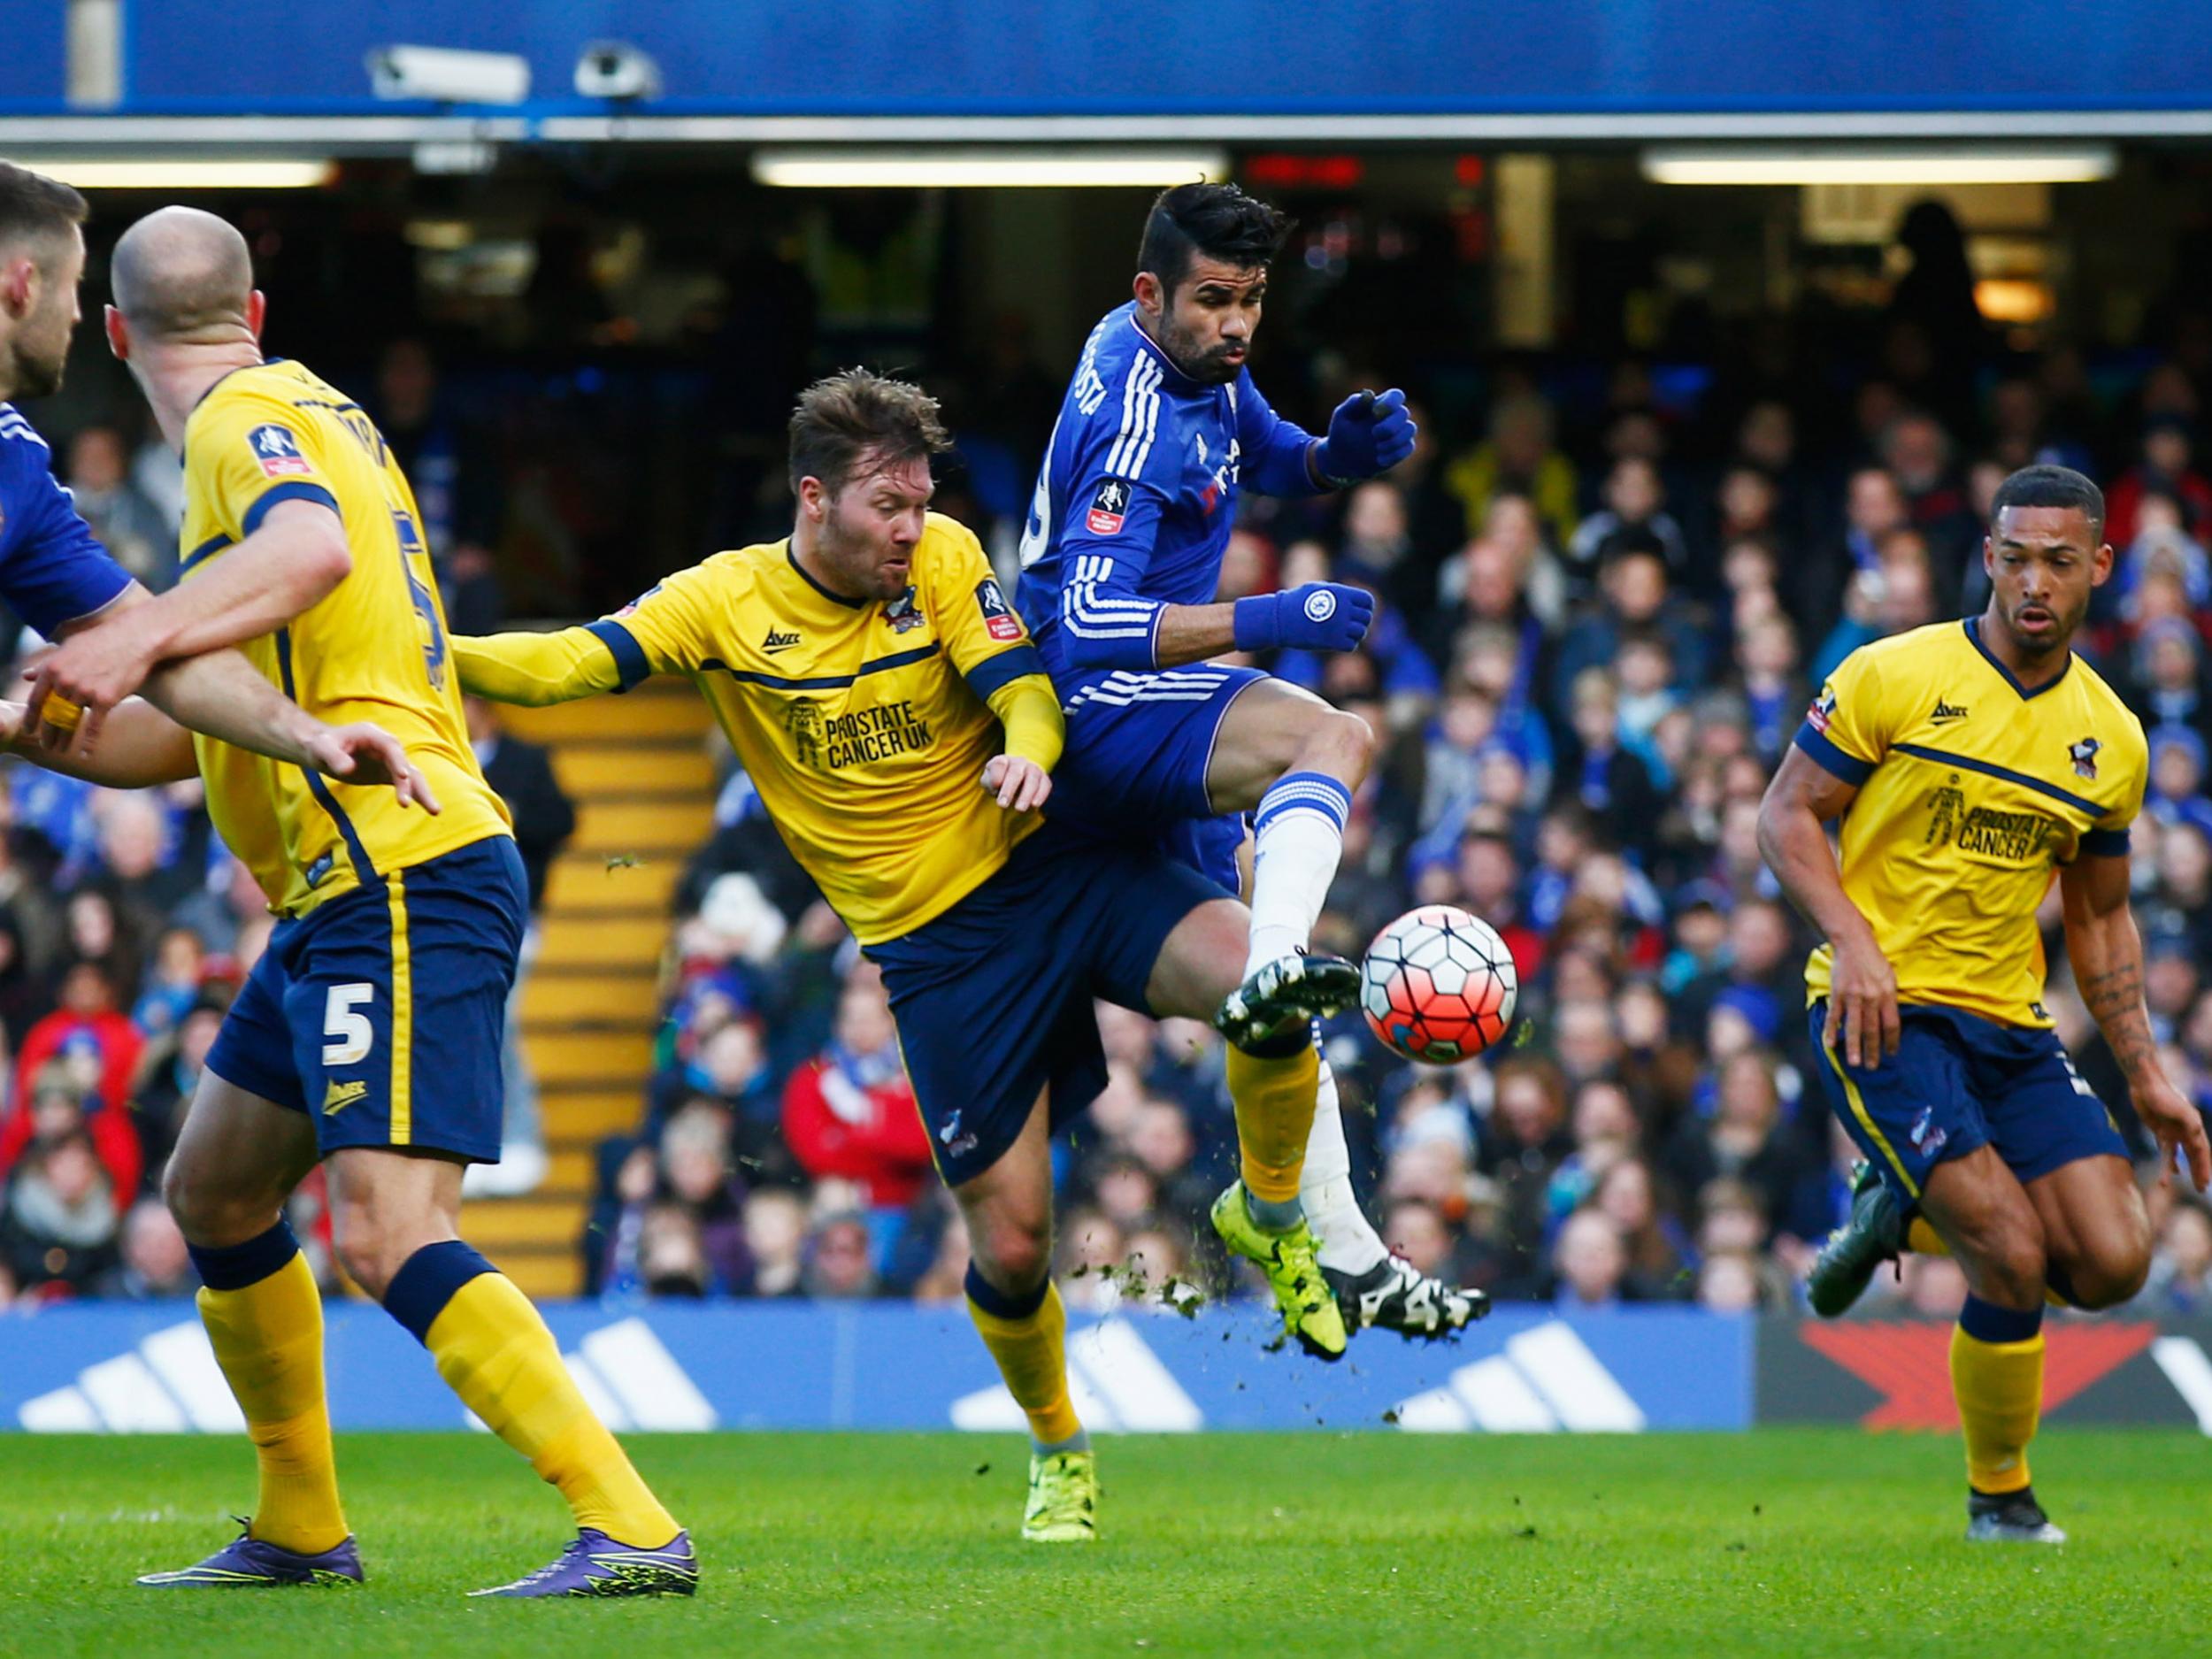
x: 640, y: 773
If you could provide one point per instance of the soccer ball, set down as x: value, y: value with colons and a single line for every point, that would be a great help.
x: 1438, y: 986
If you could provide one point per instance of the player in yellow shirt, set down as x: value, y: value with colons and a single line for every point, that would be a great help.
x: 863, y: 670
x: 1970, y: 762
x: 368, y: 1034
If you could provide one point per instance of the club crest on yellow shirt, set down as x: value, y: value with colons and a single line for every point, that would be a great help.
x: 2083, y: 755
x: 902, y: 613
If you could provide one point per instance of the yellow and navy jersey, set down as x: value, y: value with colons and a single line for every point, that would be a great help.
x: 861, y: 723
x: 1971, y: 791
x: 372, y: 649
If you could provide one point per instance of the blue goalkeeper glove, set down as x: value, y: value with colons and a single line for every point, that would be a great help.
x: 1319, y: 617
x: 1368, y: 435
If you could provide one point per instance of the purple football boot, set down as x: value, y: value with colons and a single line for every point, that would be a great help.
x: 594, y: 1564
x: 246, y: 1563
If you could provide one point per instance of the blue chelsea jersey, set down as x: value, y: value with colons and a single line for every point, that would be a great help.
x: 1135, y: 501
x: 52, y: 569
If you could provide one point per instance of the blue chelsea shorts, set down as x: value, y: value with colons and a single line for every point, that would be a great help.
x: 994, y: 998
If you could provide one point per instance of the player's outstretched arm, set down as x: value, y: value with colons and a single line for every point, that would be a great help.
x: 1862, y: 997
x: 534, y: 669
x: 2106, y: 952
x: 147, y: 740
x: 292, y: 561
x: 140, y: 747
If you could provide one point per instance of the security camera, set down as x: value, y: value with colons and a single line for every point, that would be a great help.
x: 443, y: 75
x: 616, y: 70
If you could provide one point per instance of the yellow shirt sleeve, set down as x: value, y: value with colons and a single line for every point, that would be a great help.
x: 669, y: 628
x: 249, y: 451
x: 1848, y: 730
x: 536, y: 669
x: 1030, y: 711
x: 981, y: 633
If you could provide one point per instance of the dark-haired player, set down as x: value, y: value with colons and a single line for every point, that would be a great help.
x: 1161, y: 428
x: 1969, y: 761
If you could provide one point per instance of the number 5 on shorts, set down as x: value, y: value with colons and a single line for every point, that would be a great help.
x: 351, y: 1034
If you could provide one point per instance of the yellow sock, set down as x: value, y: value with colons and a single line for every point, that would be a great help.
x: 1923, y: 1240
x: 1274, y: 1100
x: 493, y: 1350
x: 2000, y: 1390
x: 1032, y: 1358
x: 268, y: 1339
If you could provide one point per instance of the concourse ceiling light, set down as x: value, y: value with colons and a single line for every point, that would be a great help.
x: 2073, y: 164
x: 186, y: 174
x: 1006, y: 168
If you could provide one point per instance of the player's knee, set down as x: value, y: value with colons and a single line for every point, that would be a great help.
x: 2108, y: 1274
x: 370, y: 1251
x: 212, y: 1211
x: 1343, y: 744
x: 1014, y: 1252
x: 2011, y: 1269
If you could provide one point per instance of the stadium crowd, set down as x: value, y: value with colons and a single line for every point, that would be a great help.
x: 1594, y: 641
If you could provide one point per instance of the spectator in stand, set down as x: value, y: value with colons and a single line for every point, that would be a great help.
x: 138, y: 535
x: 170, y: 1072
x: 1590, y: 1265
x: 156, y: 1265
x: 58, y: 1227
x: 454, y: 482
x: 1627, y: 1195
x: 2180, y: 1282
x: 1775, y: 694
x: 1745, y: 1141
x: 839, y: 1259
x: 97, y: 1050
x: 2167, y: 467
x: 2168, y: 669
x: 849, y: 1114
x: 1918, y: 453
x: 1897, y: 594
x: 26, y: 997
x: 1518, y: 459
x: 1635, y: 598
x: 2176, y: 795
x: 521, y: 774
x: 172, y: 983
x: 1525, y: 1140
x: 775, y: 1239
x: 1600, y: 773
x: 1378, y: 552
x: 1635, y: 499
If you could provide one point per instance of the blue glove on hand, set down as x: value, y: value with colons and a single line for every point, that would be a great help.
x: 1319, y: 617
x: 1368, y: 434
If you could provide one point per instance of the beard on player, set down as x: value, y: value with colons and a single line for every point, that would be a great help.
x: 38, y: 351
x: 867, y: 538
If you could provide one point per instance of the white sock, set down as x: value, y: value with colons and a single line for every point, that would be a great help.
x: 1349, y: 1244
x: 1296, y: 843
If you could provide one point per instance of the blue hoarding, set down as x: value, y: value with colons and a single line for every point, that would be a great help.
x: 948, y: 57
x: 146, y: 1369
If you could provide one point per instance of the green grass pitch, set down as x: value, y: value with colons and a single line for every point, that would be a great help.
x: 1782, y: 1541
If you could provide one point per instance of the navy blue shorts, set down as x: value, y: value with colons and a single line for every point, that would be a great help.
x: 380, y: 1014
x: 1959, y: 1082
x: 1139, y: 744
x: 992, y: 999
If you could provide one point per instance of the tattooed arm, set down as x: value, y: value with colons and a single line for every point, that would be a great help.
x: 2107, y: 955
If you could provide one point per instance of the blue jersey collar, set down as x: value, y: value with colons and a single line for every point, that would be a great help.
x: 1974, y: 633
